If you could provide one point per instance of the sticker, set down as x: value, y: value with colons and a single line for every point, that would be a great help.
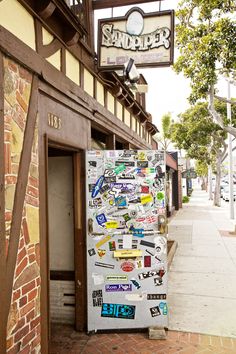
x: 127, y: 253
x: 104, y: 188
x: 120, y: 201
x: 145, y: 189
x: 91, y: 252
x: 127, y: 241
x: 97, y: 298
x: 155, y: 311
x: 118, y: 311
x: 163, y: 307
x: 147, y: 261
x: 137, y: 232
x: 104, y: 240
x: 112, y: 245
x: 126, y: 176
x: 117, y: 277
x: 95, y: 203
x: 160, y: 196
x: 118, y: 287
x: 146, y: 199
x: 141, y: 156
x: 109, y: 173
x: 126, y: 217
x: 149, y: 274
x: 158, y: 281
x: 101, y: 219
x: 120, y: 168
x: 135, y: 297
x: 111, y: 224
x: 93, y: 163
x: 151, y: 219
x: 97, y: 187
x: 142, y: 164
x: 98, y: 279
x: 139, y: 264
x: 110, y: 179
x: 127, y: 266
x: 147, y: 244
x: 148, y: 252
x: 104, y: 265
x: 135, y: 283
x: 101, y: 253
x: 156, y: 296
x: 125, y: 163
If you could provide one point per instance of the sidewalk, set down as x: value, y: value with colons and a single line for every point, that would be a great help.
x: 202, y: 293
x: 202, y: 278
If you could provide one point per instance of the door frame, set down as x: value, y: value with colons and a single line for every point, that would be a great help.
x: 78, y: 157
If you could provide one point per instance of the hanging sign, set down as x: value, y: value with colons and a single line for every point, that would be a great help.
x: 146, y: 38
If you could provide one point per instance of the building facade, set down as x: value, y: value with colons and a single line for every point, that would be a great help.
x: 54, y: 105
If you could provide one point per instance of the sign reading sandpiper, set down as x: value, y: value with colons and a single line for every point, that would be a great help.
x: 146, y: 38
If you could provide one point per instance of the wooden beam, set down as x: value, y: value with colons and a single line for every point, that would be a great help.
x: 2, y: 217
x: 103, y: 4
x: 20, y: 191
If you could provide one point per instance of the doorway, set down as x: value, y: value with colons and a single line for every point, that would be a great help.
x: 67, y: 289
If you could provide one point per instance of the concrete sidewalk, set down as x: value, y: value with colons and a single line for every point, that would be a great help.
x: 202, y: 277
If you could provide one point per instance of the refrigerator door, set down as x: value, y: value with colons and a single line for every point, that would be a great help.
x: 126, y: 239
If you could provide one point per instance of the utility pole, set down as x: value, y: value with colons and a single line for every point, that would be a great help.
x: 231, y: 191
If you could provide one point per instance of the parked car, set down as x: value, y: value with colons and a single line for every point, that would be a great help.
x: 225, y: 193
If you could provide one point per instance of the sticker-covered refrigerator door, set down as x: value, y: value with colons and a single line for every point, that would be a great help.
x: 126, y: 239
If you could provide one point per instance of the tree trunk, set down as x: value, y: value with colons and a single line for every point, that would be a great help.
x: 210, y: 182
x: 218, y: 178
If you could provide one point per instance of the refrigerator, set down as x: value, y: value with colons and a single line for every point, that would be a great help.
x: 126, y: 239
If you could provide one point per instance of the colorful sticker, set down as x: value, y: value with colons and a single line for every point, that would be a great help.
x: 118, y: 277
x: 101, y: 219
x: 144, y: 189
x: 97, y: 187
x: 119, y: 168
x: 164, y: 308
x: 118, y: 311
x: 146, y: 199
x: 155, y: 311
x: 141, y: 156
x: 147, y: 261
x: 127, y: 266
x: 101, y: 252
x: 160, y: 196
x: 112, y: 245
x: 120, y: 202
x: 104, y: 240
x: 135, y: 283
x: 139, y: 264
x: 118, y: 287
x: 112, y: 225
x: 97, y: 298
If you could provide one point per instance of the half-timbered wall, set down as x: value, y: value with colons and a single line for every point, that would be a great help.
x: 21, y: 210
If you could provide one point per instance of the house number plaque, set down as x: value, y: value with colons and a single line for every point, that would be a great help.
x: 54, y: 121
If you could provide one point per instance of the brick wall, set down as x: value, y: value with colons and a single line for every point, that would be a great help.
x: 23, y: 330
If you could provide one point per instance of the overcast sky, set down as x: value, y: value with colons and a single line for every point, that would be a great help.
x: 167, y: 91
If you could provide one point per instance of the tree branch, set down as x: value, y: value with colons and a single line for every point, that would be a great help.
x: 223, y: 99
x: 217, y: 118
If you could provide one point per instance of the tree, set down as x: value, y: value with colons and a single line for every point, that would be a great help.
x: 201, y: 169
x: 202, y: 139
x: 164, y: 138
x: 205, y: 37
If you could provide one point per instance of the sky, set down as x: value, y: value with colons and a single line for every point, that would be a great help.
x: 167, y: 91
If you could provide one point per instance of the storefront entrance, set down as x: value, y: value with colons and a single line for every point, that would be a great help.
x: 65, y: 255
